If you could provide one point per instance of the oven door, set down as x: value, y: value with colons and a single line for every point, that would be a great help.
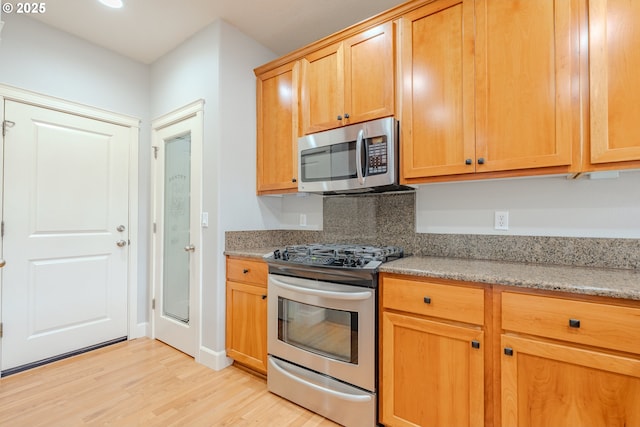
x: 323, y: 326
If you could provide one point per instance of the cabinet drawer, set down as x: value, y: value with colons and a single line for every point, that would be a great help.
x: 590, y: 323
x: 247, y: 271
x: 430, y: 299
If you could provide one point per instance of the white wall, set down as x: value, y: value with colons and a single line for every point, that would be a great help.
x: 41, y: 59
x: 217, y: 65
x: 543, y: 206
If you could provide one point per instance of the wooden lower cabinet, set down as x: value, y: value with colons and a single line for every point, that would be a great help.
x: 432, y: 374
x: 544, y: 358
x: 549, y: 384
x: 432, y: 365
x: 246, y: 330
x: 569, y: 362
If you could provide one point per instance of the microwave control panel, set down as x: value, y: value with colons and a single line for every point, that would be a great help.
x: 377, y: 148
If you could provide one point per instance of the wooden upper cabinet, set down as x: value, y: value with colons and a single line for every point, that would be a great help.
x: 614, y: 61
x: 277, y: 130
x: 369, y: 74
x: 527, y: 81
x: 437, y: 121
x: 490, y: 86
x: 350, y: 81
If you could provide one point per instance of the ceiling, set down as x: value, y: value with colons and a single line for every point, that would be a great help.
x: 144, y: 30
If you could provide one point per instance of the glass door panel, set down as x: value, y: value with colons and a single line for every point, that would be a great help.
x: 177, y: 202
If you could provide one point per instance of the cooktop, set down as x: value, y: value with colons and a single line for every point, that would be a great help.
x: 338, y: 255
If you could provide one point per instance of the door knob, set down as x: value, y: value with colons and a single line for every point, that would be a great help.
x: 121, y: 228
x: 121, y: 243
x: 190, y: 248
x: 2, y: 263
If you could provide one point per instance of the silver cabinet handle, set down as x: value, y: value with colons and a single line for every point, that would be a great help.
x: 2, y: 263
x: 190, y: 248
x: 121, y: 243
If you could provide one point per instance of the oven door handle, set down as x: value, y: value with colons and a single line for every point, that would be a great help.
x: 335, y: 393
x: 350, y: 296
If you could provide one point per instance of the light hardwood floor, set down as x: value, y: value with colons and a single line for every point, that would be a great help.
x: 143, y: 382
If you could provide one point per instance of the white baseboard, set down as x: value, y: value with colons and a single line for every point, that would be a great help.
x: 215, y: 360
x: 141, y: 330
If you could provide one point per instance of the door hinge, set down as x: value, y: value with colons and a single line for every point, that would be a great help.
x: 155, y: 152
x: 153, y: 304
x: 2, y: 229
x: 6, y: 124
x: 154, y: 227
x: 1, y: 330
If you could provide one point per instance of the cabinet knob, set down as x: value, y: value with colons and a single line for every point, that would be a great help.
x: 468, y: 162
x: 264, y: 297
x: 245, y: 271
x: 574, y: 323
x: 294, y: 180
x: 346, y: 115
x: 481, y: 161
x: 475, y: 344
x: 508, y: 351
x: 339, y: 117
x: 427, y: 300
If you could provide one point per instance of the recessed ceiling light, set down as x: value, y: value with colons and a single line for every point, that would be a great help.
x: 116, y: 4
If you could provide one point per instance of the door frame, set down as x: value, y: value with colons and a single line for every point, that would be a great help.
x: 135, y: 329
x: 194, y: 109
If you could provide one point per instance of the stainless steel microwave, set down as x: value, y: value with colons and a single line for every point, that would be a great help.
x: 357, y: 158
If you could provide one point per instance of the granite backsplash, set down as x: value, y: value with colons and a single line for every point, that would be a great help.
x: 389, y: 219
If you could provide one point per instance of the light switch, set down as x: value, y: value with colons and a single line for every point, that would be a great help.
x: 205, y: 219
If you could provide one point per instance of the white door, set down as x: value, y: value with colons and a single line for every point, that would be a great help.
x: 65, y: 243
x: 177, y: 207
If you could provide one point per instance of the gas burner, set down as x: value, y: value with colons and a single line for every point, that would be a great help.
x: 338, y: 255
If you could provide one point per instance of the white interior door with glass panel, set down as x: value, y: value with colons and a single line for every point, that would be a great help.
x: 177, y: 233
x: 66, y: 241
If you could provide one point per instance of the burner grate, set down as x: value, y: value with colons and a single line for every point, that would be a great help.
x: 341, y: 255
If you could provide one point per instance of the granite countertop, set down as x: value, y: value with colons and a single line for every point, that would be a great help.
x: 251, y: 253
x: 614, y: 283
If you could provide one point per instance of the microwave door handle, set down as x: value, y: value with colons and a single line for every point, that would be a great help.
x: 359, y: 147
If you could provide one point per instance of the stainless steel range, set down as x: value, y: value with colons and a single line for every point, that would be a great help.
x: 322, y: 316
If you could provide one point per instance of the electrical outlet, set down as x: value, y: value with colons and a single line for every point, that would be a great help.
x: 501, y: 221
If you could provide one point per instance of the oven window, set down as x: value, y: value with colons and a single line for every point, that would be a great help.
x: 320, y: 330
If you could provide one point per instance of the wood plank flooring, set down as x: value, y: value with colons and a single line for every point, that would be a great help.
x: 143, y: 382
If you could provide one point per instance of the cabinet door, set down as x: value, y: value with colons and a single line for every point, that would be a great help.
x: 277, y: 133
x: 546, y: 384
x: 369, y: 83
x: 437, y: 123
x: 323, y: 89
x: 614, y: 60
x: 430, y: 373
x: 527, y: 69
x: 246, y: 332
